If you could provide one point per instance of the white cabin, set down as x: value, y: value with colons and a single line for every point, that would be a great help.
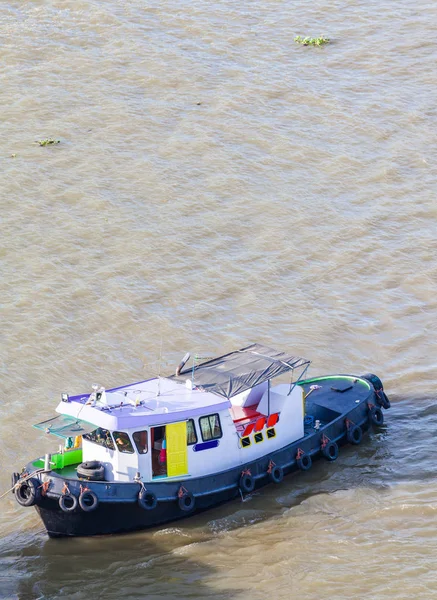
x: 161, y: 428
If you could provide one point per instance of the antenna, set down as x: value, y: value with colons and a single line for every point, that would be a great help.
x: 159, y: 368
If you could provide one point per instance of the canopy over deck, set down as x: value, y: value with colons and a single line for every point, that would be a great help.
x: 65, y: 427
x: 241, y: 370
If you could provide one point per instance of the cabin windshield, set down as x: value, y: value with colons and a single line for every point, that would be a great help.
x: 123, y: 442
x: 140, y: 439
x: 100, y: 436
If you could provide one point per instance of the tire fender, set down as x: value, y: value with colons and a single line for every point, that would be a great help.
x: 186, y: 502
x: 376, y: 416
x: 330, y: 451
x: 28, y: 492
x: 88, y: 501
x: 68, y: 503
x: 276, y: 475
x: 247, y: 483
x: 147, y: 500
x: 304, y: 462
x: 354, y: 434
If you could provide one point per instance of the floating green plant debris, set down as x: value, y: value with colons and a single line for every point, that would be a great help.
x: 48, y: 142
x: 309, y: 41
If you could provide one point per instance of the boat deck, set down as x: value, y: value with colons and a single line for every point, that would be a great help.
x: 326, y: 398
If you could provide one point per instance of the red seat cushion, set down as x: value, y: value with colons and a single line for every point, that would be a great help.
x: 260, y: 424
x: 240, y: 413
x: 248, y: 430
x: 272, y: 420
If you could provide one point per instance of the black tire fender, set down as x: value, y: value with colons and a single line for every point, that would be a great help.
x: 304, y: 462
x: 147, y: 500
x: 247, y: 483
x: 380, y: 395
x: 28, y: 492
x: 376, y: 416
x: 354, y: 434
x: 186, y: 502
x: 276, y: 474
x: 88, y: 501
x: 95, y: 472
x: 330, y: 451
x: 68, y: 503
x: 91, y: 464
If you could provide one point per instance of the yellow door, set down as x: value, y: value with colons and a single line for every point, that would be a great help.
x: 176, y: 441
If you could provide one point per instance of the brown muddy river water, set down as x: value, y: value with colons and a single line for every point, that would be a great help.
x: 217, y: 184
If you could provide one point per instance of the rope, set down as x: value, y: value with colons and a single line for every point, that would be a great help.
x: 300, y: 453
x: 325, y: 440
x: 182, y: 491
x: 21, y: 480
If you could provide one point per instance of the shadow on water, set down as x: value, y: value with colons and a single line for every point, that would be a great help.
x: 164, y: 563
x: 148, y: 565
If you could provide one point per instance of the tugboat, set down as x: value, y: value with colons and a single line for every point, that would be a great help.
x: 147, y: 453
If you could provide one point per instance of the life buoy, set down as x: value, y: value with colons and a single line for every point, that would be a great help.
x: 186, y: 502
x: 376, y: 416
x: 68, y: 502
x: 276, y: 474
x: 28, y: 492
x: 304, y: 462
x: 354, y: 434
x: 330, y: 451
x: 147, y: 500
x: 88, y: 501
x: 247, y: 483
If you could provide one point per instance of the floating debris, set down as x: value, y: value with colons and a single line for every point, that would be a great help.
x: 309, y: 41
x: 48, y: 142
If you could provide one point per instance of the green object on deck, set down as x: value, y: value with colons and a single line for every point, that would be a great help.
x: 59, y: 461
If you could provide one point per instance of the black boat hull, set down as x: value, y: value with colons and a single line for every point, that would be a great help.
x: 117, y: 508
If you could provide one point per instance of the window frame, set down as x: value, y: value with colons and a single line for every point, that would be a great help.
x: 104, y: 445
x: 217, y: 437
x: 135, y: 442
x: 130, y: 441
x: 195, y: 433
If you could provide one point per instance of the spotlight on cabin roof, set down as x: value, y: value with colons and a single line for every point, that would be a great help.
x: 65, y: 397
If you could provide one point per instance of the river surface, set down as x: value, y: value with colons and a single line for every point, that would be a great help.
x: 217, y: 184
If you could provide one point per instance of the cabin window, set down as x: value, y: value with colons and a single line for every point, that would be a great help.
x: 258, y: 438
x: 245, y: 442
x: 100, y: 436
x: 191, y: 433
x: 140, y: 439
x: 123, y: 442
x: 271, y: 433
x: 210, y: 427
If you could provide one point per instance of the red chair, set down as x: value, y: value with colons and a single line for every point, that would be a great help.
x: 260, y: 424
x: 272, y: 420
x: 248, y: 429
